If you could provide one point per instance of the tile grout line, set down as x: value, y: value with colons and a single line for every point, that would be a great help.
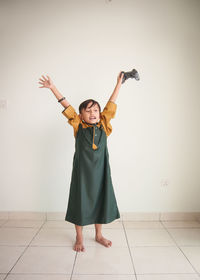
x: 2, y: 225
x: 129, y: 250
x: 73, y: 266
x: 180, y: 248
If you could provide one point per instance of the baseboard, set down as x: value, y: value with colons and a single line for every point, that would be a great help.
x: 125, y: 216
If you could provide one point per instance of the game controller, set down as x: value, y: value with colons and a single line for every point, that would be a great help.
x: 132, y: 74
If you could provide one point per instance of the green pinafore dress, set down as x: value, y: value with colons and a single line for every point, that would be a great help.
x: 91, y: 197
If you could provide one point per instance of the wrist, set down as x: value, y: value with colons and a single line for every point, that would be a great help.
x: 52, y: 87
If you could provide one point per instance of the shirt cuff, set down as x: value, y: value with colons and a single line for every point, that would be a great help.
x: 111, y: 105
x: 68, y: 112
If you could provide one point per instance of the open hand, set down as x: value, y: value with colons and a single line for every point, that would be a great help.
x: 46, y: 82
x: 119, y: 79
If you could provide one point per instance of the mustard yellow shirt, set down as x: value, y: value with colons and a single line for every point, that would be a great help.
x: 105, y: 116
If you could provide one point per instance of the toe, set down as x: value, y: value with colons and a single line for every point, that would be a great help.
x: 77, y: 249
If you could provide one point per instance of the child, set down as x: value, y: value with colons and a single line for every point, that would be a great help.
x: 91, y: 198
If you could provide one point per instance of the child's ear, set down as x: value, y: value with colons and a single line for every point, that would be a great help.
x: 80, y: 116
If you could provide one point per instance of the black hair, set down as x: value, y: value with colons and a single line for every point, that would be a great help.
x: 85, y: 103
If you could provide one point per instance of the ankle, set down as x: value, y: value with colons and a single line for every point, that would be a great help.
x: 98, y: 235
x: 79, y: 236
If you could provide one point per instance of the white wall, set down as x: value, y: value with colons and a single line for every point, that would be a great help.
x: 83, y: 45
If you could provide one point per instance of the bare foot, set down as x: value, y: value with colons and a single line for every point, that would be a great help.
x: 103, y: 241
x: 78, y: 245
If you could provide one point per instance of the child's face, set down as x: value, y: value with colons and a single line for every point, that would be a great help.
x: 90, y: 115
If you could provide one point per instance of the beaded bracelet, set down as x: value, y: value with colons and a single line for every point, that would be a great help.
x: 61, y: 99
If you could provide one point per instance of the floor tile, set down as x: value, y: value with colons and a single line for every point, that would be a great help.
x: 58, y: 224
x: 130, y: 216
x: 23, y: 223
x: 38, y: 277
x: 50, y: 255
x: 116, y: 224
x: 168, y: 277
x: 186, y: 237
x: 2, y: 222
x: 181, y: 224
x: 160, y: 260
x: 143, y: 224
x: 96, y: 260
x: 54, y: 237
x: 149, y: 237
x: 55, y: 216
x: 103, y: 277
x: 8, y: 256
x: 23, y: 215
x: 46, y: 260
x: 64, y: 224
x: 16, y: 236
x: 178, y: 216
x: 193, y: 254
x: 4, y: 215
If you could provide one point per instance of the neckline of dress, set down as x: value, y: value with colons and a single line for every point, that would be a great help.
x: 92, y: 124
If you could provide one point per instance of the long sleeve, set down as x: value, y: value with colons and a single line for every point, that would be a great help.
x: 73, y: 118
x: 108, y: 114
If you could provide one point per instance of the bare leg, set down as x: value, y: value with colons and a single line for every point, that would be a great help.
x: 99, y: 237
x: 78, y: 246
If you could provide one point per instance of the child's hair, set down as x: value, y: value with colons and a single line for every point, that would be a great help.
x: 85, y: 103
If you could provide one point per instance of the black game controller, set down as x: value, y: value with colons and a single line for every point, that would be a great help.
x: 132, y: 74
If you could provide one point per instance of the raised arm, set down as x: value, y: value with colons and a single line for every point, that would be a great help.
x: 48, y: 83
x: 114, y: 95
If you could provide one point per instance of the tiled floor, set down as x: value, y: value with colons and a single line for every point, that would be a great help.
x: 41, y: 250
